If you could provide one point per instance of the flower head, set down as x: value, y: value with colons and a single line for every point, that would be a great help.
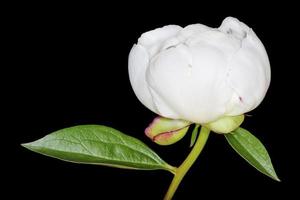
x: 200, y: 74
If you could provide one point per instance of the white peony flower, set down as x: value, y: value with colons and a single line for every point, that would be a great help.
x: 200, y: 74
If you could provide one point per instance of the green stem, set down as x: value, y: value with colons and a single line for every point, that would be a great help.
x: 188, y: 162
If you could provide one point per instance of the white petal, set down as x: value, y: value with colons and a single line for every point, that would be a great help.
x: 249, y: 75
x: 152, y: 40
x: 216, y: 39
x: 234, y: 27
x: 137, y: 65
x: 163, y: 108
x: 169, y: 43
x: 192, y: 30
x: 195, y: 91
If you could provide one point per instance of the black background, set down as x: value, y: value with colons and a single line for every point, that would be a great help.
x: 67, y: 65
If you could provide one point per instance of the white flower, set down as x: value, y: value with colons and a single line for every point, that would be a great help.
x: 198, y: 73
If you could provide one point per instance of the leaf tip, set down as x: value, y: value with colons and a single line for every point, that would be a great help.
x: 27, y: 145
x: 275, y: 177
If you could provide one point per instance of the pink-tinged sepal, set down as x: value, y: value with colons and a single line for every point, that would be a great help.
x: 165, y: 131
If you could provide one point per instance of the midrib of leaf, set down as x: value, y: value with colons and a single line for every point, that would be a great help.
x: 93, y: 154
x: 104, y: 162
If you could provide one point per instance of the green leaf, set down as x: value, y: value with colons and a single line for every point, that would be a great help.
x: 99, y: 145
x: 194, y: 135
x: 252, y: 150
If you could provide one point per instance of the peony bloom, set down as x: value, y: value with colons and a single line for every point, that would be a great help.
x: 200, y: 74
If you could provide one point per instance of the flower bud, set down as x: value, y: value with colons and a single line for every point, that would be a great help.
x: 164, y: 131
x: 198, y: 73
